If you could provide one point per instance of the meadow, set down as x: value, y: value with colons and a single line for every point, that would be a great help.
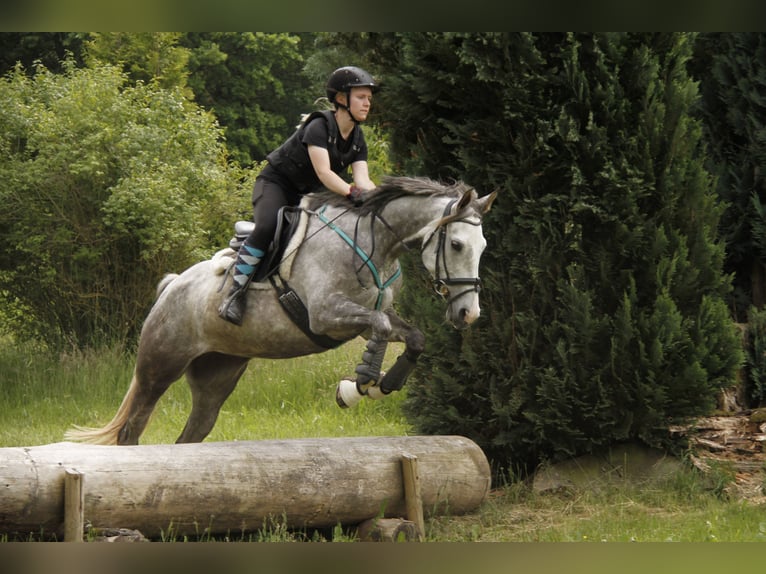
x: 42, y: 395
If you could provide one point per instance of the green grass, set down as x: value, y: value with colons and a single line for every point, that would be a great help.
x: 681, y: 509
x: 41, y: 396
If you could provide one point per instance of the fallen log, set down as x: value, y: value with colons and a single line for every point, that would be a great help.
x: 237, y: 487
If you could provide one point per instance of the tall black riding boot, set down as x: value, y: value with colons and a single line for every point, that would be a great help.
x: 233, y: 307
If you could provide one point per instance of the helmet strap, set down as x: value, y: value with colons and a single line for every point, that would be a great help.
x: 347, y: 107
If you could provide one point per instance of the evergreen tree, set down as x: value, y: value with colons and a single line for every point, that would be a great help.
x: 604, y: 313
x: 731, y: 68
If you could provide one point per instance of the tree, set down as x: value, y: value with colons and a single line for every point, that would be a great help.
x: 149, y: 57
x: 253, y: 83
x: 604, y: 299
x: 731, y: 68
x: 47, y: 48
x: 106, y: 186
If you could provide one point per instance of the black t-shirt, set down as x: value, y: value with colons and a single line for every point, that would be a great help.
x: 316, y: 134
x: 290, y: 166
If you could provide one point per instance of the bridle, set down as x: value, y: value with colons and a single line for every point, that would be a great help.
x: 441, y: 284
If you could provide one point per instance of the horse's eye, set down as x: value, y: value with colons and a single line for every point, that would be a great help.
x: 457, y: 245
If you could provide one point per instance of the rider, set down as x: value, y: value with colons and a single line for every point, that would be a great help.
x: 315, y: 155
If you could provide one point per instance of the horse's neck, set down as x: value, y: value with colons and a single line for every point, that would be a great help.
x: 410, y: 217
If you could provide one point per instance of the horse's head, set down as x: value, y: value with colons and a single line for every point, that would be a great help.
x: 451, y: 252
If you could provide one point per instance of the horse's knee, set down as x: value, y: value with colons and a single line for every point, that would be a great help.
x: 380, y: 326
x: 415, y: 344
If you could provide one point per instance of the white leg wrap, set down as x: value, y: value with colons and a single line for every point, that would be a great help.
x: 346, y: 395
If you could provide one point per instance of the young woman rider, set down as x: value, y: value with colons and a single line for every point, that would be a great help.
x: 315, y: 156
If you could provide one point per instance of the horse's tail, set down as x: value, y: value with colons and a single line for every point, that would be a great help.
x: 164, y: 282
x: 108, y: 434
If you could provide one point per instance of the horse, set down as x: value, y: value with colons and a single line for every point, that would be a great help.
x: 336, y: 281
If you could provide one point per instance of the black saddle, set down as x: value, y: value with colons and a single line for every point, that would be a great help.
x: 287, y: 224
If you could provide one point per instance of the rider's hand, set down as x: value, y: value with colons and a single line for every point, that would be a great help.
x: 355, y: 195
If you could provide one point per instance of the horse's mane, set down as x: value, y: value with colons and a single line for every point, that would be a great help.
x: 391, y: 188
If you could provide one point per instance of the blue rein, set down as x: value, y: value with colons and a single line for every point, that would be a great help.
x: 366, y: 259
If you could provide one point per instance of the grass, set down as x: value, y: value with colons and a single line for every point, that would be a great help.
x: 41, y: 396
x: 682, y: 509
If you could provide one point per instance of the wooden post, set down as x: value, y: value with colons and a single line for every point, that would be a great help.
x: 74, y: 505
x: 412, y: 493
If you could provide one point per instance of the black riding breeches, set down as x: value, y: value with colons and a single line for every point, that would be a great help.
x: 268, y: 198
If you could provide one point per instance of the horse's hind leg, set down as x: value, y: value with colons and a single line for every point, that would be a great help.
x: 212, y: 378
x: 151, y: 379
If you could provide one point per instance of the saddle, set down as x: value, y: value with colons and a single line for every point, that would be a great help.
x: 288, y: 219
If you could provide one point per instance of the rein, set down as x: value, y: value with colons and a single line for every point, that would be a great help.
x: 366, y: 259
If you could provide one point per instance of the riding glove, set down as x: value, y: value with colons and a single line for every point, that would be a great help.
x: 355, y: 196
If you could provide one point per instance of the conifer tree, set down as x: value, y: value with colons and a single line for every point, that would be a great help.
x: 731, y: 69
x: 603, y: 303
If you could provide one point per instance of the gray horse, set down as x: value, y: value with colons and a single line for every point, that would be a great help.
x: 338, y: 278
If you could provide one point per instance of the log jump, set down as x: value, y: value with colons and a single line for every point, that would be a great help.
x: 237, y: 487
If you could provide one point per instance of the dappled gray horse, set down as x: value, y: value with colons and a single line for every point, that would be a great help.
x: 338, y: 278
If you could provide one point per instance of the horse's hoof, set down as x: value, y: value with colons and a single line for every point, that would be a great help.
x: 346, y: 394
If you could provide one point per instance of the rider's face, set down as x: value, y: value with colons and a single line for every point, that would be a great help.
x: 360, y: 102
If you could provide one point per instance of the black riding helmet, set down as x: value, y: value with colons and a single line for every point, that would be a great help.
x: 345, y: 78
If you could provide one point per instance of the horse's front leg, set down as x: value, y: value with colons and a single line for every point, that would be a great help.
x: 383, y: 327
x: 414, y: 344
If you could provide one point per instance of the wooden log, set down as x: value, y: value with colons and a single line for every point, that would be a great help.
x: 236, y: 487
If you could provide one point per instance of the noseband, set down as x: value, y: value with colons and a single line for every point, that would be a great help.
x: 442, y: 284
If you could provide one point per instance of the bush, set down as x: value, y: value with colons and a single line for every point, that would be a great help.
x: 106, y: 187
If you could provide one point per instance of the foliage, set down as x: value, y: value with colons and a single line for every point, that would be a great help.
x: 755, y: 350
x: 252, y: 82
x: 731, y: 68
x: 50, y: 49
x: 106, y: 187
x: 604, y: 303
x: 145, y: 56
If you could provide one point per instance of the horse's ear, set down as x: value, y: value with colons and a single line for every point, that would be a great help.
x: 484, y: 203
x: 465, y: 200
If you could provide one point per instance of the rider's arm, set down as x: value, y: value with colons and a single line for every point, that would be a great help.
x: 361, y: 175
x: 320, y: 159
